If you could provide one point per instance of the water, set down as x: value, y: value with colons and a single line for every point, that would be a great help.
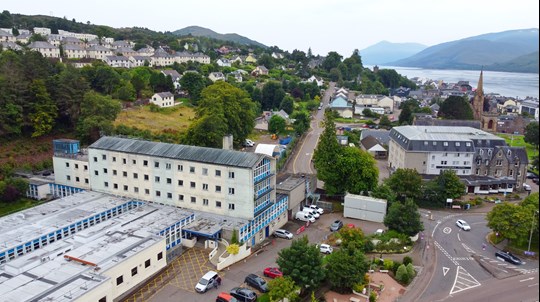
x: 510, y: 84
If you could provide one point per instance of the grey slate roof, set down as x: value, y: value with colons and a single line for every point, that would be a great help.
x: 179, y: 152
x: 383, y: 136
x: 41, y: 44
x: 369, y: 141
x: 165, y: 94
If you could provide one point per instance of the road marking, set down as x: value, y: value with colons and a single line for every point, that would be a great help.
x: 523, y: 280
x: 447, y: 230
x: 468, y: 249
x: 445, y: 253
x: 531, y: 285
x: 463, y: 258
x: 463, y: 281
x: 459, y: 239
x: 445, y: 270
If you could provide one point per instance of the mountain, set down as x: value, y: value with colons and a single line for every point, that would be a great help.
x: 384, y: 52
x: 525, y: 63
x: 198, y: 31
x: 500, y: 50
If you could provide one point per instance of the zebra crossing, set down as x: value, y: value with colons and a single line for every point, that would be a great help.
x: 462, y: 259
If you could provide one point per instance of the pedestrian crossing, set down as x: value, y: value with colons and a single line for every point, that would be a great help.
x: 463, y: 259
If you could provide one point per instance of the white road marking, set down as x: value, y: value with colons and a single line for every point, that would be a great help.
x: 468, y: 249
x: 445, y: 270
x: 528, y: 279
x: 459, y: 239
x: 445, y: 252
x: 463, y: 281
x: 447, y: 230
x: 536, y: 284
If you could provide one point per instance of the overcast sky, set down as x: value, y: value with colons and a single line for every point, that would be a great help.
x: 323, y: 25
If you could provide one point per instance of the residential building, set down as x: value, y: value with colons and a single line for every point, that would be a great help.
x: 7, y: 37
x: 55, y: 39
x: 373, y: 147
x: 42, y: 31
x: 216, y: 76
x: 223, y: 62
x: 73, y: 40
x: 73, y: 51
x: 10, y: 45
x: 251, y: 58
x: 146, y: 51
x: 46, y: 49
x: 175, y: 77
x: 162, y: 58
x: 259, y: 70
x: 139, y: 60
x: 126, y: 51
x: 530, y: 107
x: 23, y: 38
x: 342, y: 106
x: 163, y: 99
x: 184, y: 57
x: 117, y: 61
x: 98, y: 52
x: 316, y: 80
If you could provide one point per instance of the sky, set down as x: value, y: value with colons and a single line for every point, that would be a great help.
x: 322, y: 25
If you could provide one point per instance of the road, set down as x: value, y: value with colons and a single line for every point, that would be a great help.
x: 301, y: 161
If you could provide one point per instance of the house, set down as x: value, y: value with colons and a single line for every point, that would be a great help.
x: 163, y: 99
x: 72, y: 40
x: 7, y: 37
x: 238, y: 59
x: 146, y: 51
x: 117, y: 61
x: 315, y: 62
x: 42, y: 31
x: 278, y: 56
x: 73, y: 51
x: 259, y: 70
x: 223, y: 50
x: 10, y: 45
x: 373, y: 147
x: 184, y: 57
x: 23, y: 38
x: 529, y: 106
x: 380, y: 101
x: 54, y: 39
x: 98, y: 52
x: 382, y: 136
x: 251, y: 58
x: 342, y: 106
x: 162, y: 58
x: 136, y: 61
x: 316, y: 80
x: 121, y: 44
x: 45, y: 48
x: 284, y: 115
x: 216, y: 76
x: 126, y: 51
x: 175, y: 77
x: 222, y: 62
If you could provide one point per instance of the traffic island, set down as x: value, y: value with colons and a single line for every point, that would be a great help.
x: 494, y: 269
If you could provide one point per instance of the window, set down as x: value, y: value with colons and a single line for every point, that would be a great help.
x: 231, y: 206
x: 67, y: 165
x: 468, y: 144
x: 124, y: 173
x: 231, y: 174
x: 134, y: 162
x: 115, y: 186
x: 204, y: 171
x: 120, y: 280
x: 114, y: 172
x: 231, y: 191
x: 191, y: 169
x: 457, y: 154
x: 86, y: 180
x: 134, y: 271
x: 147, y: 263
x: 103, y: 156
x: 180, y: 197
x: 218, y: 204
x: 96, y: 172
x: 135, y: 175
x: 145, y: 163
x: 432, y: 156
x: 499, y: 162
x: 104, y: 299
x: 192, y: 184
x: 180, y: 168
x: 477, y: 171
x: 205, y: 187
x: 124, y: 161
x: 77, y: 179
x: 455, y: 162
x: 68, y: 177
x: 106, y: 184
x: 136, y: 189
x: 434, y: 143
x: 158, y: 193
x: 511, y: 173
x: 105, y: 170
x: 425, y: 143
x: 180, y: 183
x: 85, y: 167
x: 218, y: 189
x: 95, y: 159
x: 193, y: 199
x: 167, y: 166
x: 445, y: 144
x: 443, y: 162
x: 125, y: 187
x: 160, y: 256
x: 218, y: 173
x: 457, y: 144
x: 205, y: 202
x: 156, y: 164
x: 156, y: 179
x: 146, y: 177
x: 147, y: 191
x: 169, y: 181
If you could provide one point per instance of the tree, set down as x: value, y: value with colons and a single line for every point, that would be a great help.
x: 45, y: 110
x: 281, y: 288
x: 332, y: 60
x: 531, y: 134
x: 271, y: 95
x: 68, y: 89
x: 404, y: 218
x: 446, y: 185
x: 326, y: 155
x: 276, y: 124
x: 301, y: 121
x: 456, y: 108
x: 357, y: 170
x: 345, y: 267
x: 383, y: 191
x: 352, y: 237
x: 287, y: 104
x: 389, y: 78
x: 303, y: 263
x: 402, y: 275
x: 97, y: 114
x: 385, y: 121
x: 405, y: 183
x: 511, y: 221
x: 193, y: 83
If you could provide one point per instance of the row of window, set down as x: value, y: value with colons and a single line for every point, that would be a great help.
x: 180, y: 184
x: 77, y: 179
x: 77, y: 166
x: 134, y: 270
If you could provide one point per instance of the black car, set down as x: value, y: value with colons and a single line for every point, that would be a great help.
x: 243, y: 294
x: 508, y: 257
x: 531, y: 175
x: 256, y: 282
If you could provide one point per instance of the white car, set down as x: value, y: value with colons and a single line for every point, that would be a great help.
x: 462, y: 224
x: 326, y: 249
x: 249, y: 143
x: 316, y: 208
x: 281, y: 233
x: 526, y: 187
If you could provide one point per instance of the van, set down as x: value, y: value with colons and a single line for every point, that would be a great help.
x: 208, y: 281
x: 312, y: 212
x: 303, y: 216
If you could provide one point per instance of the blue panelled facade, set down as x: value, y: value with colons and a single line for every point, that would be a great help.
x: 264, y: 219
x: 173, y: 233
x: 63, y: 190
x: 35, y: 243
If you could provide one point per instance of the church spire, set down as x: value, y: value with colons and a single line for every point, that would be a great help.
x: 478, y: 101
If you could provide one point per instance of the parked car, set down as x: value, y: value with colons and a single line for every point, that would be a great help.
x: 208, y: 281
x: 243, y: 294
x: 325, y: 249
x: 526, y: 187
x: 256, y: 282
x: 379, y: 232
x: 336, y: 225
x: 225, y: 297
x: 311, y: 211
x: 531, y: 175
x: 303, y: 216
x: 281, y: 233
x: 249, y: 143
x: 462, y: 224
x: 508, y: 257
x: 316, y: 208
x: 535, y: 180
x: 272, y: 272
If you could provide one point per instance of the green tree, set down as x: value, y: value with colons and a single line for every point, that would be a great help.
x: 531, y: 134
x: 68, y: 89
x: 97, y: 114
x: 345, y: 267
x: 405, y: 116
x: 352, y: 237
x: 404, y: 218
x: 45, y: 110
x: 511, y: 221
x: 303, y: 263
x: 389, y: 78
x: 326, y: 155
x: 271, y: 95
x: 456, y: 108
x: 276, y: 124
x: 405, y: 183
x: 410, y: 271
x: 331, y: 61
x: 193, y: 83
x: 357, y: 170
x: 126, y: 92
x: 402, y: 275
x: 383, y: 191
x: 385, y: 121
x: 207, y: 131
x: 287, y: 104
x: 446, y: 185
x: 301, y: 121
x: 281, y: 288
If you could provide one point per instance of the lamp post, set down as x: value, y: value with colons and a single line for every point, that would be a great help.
x: 532, y: 228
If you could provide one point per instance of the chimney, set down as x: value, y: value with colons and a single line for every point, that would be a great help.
x: 228, y: 142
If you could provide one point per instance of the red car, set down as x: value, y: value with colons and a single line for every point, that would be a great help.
x: 272, y: 272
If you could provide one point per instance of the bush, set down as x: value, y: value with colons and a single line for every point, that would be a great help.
x: 402, y: 275
x: 411, y: 271
x: 358, y: 287
x: 388, y: 264
x: 395, y: 267
x: 233, y: 249
x: 407, y: 260
x: 373, y: 297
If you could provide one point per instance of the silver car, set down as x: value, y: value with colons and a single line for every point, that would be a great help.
x: 281, y: 233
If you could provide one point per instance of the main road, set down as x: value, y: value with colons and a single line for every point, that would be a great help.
x: 301, y: 160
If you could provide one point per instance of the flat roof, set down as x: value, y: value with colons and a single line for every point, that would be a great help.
x: 290, y: 183
x: 444, y: 133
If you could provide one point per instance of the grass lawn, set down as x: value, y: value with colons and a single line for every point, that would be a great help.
x: 21, y: 204
x: 173, y: 119
x: 349, y: 120
x: 517, y: 141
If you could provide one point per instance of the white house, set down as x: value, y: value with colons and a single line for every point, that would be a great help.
x: 314, y: 79
x: 42, y: 31
x: 45, y: 48
x: 223, y: 62
x: 98, y: 52
x: 73, y: 51
x: 175, y: 77
x: 163, y: 99
x: 216, y: 76
x: 136, y: 61
x: 117, y: 61
x: 7, y: 37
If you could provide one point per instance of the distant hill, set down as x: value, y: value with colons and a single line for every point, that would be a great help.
x: 384, y: 52
x: 198, y: 31
x: 501, y: 50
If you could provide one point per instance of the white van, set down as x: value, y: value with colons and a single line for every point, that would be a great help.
x: 312, y: 212
x: 208, y: 281
x: 303, y: 216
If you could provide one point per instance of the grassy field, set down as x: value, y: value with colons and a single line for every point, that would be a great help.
x: 517, y: 141
x: 172, y: 119
x: 21, y: 204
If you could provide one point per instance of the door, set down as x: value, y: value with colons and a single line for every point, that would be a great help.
x: 267, y: 231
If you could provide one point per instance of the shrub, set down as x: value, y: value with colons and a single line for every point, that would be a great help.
x: 407, y: 260
x: 402, y: 275
x: 358, y: 287
x: 411, y: 271
x: 388, y: 264
x: 395, y: 267
x: 373, y: 297
x: 233, y: 249
x: 234, y: 238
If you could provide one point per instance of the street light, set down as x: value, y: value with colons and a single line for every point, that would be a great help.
x: 532, y: 227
